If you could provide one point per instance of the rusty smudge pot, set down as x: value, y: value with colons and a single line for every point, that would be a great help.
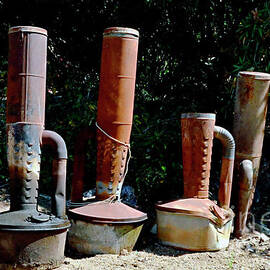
x: 248, y: 129
x: 195, y: 222
x: 107, y: 225
x: 28, y: 238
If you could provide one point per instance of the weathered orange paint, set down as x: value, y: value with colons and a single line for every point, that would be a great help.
x: 195, y: 222
x: 115, y: 106
x: 106, y: 225
x: 197, y: 141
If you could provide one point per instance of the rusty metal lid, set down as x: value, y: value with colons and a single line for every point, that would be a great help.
x: 104, y: 212
x: 31, y: 29
x: 255, y: 75
x: 198, y: 207
x: 120, y: 32
x: 25, y: 220
x: 199, y: 115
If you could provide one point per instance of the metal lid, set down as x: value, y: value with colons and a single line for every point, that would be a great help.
x: 25, y: 220
x: 31, y: 29
x: 199, y: 115
x: 120, y: 32
x: 104, y: 212
x: 198, y: 207
x: 255, y: 75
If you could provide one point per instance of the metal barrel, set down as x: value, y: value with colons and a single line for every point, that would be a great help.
x: 197, y: 140
x: 115, y: 107
x: 248, y: 129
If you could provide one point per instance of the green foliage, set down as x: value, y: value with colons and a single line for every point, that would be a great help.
x: 254, y: 39
x: 189, y: 54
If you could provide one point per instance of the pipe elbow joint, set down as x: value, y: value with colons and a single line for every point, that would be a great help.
x: 227, y: 141
x: 56, y: 142
x: 246, y: 174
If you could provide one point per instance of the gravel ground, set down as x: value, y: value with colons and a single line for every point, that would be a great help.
x: 253, y: 252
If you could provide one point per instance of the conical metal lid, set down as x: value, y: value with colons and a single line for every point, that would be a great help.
x: 108, y: 212
x: 198, y: 207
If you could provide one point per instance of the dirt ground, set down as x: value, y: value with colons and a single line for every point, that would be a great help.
x: 252, y: 252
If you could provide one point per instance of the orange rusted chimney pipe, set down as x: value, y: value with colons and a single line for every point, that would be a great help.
x: 198, y: 131
x: 107, y: 225
x: 195, y: 216
x: 115, y: 108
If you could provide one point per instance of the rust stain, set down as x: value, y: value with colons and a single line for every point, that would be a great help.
x: 29, y: 238
x: 197, y: 140
x: 115, y: 106
x: 248, y: 129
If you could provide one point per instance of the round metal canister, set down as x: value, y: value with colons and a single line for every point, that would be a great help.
x: 104, y: 227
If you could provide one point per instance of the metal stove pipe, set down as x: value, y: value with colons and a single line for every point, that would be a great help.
x: 115, y: 108
x: 107, y: 225
x: 248, y: 128
x: 195, y: 216
x: 41, y: 236
x: 57, y: 143
x: 198, y: 131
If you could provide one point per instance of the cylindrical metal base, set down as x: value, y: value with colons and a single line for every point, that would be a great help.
x: 189, y: 232
x: 92, y: 238
x: 32, y: 250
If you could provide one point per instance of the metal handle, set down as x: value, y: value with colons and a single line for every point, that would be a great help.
x: 226, y: 175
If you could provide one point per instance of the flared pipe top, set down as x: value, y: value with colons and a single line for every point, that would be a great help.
x: 254, y: 75
x: 30, y: 29
x: 121, y: 32
x: 199, y: 115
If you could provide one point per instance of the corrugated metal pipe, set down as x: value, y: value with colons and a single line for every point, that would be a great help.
x: 225, y: 137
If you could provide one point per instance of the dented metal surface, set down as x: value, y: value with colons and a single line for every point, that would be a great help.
x: 29, y: 237
x: 92, y: 238
x: 195, y: 222
x: 32, y: 250
x: 248, y: 128
x: 192, y: 232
